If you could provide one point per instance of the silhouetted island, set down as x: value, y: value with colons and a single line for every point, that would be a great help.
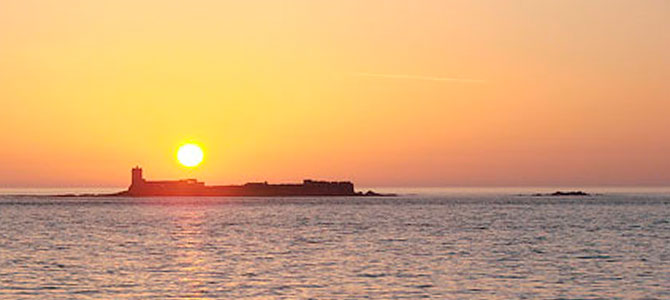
x: 140, y: 187
x: 562, y: 193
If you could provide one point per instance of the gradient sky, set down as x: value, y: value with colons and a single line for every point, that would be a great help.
x: 384, y: 93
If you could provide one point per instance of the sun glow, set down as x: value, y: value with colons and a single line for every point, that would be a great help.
x: 190, y: 155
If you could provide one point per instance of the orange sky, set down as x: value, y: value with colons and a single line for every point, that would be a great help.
x: 384, y: 93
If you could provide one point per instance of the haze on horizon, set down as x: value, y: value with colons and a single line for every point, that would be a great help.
x: 383, y: 93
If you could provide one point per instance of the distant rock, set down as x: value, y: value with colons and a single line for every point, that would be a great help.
x: 562, y: 194
x: 374, y: 194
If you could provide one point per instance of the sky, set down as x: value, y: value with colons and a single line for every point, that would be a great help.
x: 383, y: 93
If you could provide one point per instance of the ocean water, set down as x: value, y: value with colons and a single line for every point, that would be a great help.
x: 426, y: 244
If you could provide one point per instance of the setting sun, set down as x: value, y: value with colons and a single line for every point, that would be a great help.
x: 190, y: 155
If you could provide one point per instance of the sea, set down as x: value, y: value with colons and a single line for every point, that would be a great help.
x: 447, y: 243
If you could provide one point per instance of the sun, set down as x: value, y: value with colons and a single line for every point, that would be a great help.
x: 190, y: 155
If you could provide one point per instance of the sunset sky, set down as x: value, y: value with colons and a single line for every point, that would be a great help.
x: 383, y: 93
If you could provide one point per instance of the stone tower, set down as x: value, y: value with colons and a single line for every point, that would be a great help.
x: 136, y: 178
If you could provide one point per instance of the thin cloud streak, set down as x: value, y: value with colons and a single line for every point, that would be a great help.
x: 418, y: 77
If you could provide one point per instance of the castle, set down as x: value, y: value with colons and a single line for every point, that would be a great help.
x: 140, y: 187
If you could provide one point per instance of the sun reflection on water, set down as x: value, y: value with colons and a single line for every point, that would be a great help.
x: 191, y: 261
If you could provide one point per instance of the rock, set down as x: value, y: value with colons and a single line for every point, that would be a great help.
x: 563, y: 193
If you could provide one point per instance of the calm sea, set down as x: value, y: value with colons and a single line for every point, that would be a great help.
x: 442, y: 244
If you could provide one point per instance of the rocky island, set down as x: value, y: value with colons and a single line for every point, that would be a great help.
x: 562, y: 194
x: 141, y: 187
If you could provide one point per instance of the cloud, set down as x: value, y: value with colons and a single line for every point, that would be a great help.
x: 418, y: 77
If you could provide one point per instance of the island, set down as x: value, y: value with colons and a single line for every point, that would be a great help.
x: 140, y: 187
x: 563, y: 194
